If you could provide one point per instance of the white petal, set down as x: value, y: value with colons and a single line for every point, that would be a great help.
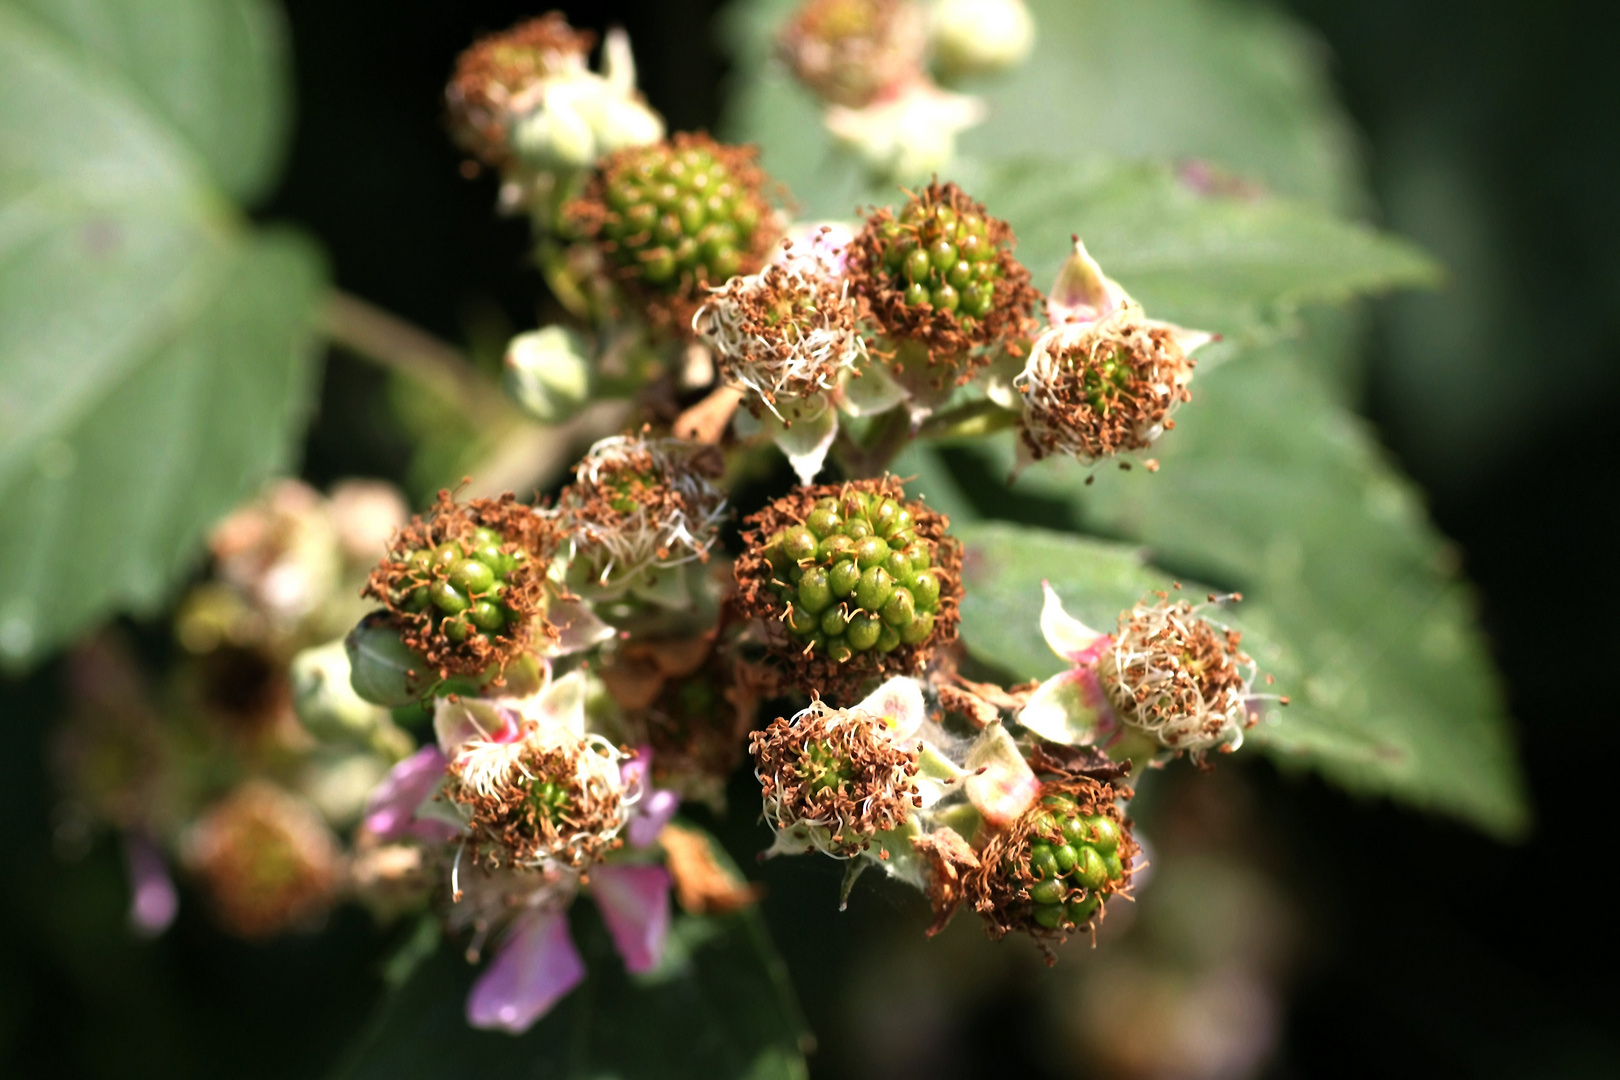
x: 563, y: 704
x: 1006, y: 787
x: 899, y: 704
x: 1082, y: 292
x: 1070, y: 638
x: 870, y: 390
x: 1187, y: 339
x: 808, y: 439
x: 579, y: 628
x: 1069, y: 708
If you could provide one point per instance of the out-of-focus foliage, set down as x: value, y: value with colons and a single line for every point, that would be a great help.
x: 154, y: 348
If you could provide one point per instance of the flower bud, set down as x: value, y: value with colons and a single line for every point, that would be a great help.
x: 1049, y: 872
x: 548, y: 373
x: 976, y: 37
x: 851, y: 582
x: 637, y: 509
x: 1178, y: 679
x: 465, y: 588
x: 941, y: 279
x: 382, y: 668
x: 833, y: 779
x: 325, y: 699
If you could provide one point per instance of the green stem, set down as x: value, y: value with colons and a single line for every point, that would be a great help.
x: 370, y: 333
x: 971, y: 420
x: 889, y: 435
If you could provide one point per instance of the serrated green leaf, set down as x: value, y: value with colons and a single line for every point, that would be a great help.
x: 1269, y: 487
x: 718, y: 1008
x: 1237, y: 85
x: 1220, y: 263
x: 153, y: 349
x: 213, y: 71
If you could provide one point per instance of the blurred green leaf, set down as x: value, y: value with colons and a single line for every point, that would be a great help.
x: 718, y: 1008
x: 153, y: 349
x: 1269, y: 487
x: 1220, y: 263
x: 1238, y: 85
x: 214, y: 71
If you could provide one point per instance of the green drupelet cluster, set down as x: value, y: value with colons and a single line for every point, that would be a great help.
x: 461, y: 582
x: 855, y: 577
x: 1071, y: 851
x: 1108, y: 380
x: 678, y: 213
x: 943, y: 259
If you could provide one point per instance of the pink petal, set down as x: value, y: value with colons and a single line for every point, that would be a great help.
x: 391, y: 809
x: 1002, y: 785
x: 536, y: 966
x: 153, y: 900
x: 652, y: 814
x: 634, y: 901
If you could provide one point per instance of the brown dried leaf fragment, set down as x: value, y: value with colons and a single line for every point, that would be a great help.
x: 702, y: 885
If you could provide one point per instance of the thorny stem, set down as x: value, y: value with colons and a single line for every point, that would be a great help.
x: 385, y: 339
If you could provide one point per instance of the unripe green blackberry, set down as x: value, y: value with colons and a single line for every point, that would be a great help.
x: 852, y: 581
x: 675, y: 217
x: 1049, y: 872
x: 466, y: 587
x: 942, y: 276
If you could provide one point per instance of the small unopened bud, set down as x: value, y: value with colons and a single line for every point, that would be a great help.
x: 382, y: 668
x: 974, y: 37
x: 548, y: 373
x: 325, y: 698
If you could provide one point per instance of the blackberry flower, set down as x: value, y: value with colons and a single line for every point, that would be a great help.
x: 850, y: 52
x: 1049, y: 872
x: 465, y: 587
x: 1174, y: 676
x: 265, y: 860
x: 639, y: 507
x: 833, y: 779
x: 1104, y: 379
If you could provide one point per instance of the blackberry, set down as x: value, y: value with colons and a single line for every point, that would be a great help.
x: 503, y: 67
x: 675, y: 217
x: 942, y: 277
x: 1049, y: 872
x: 852, y: 581
x: 465, y: 587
